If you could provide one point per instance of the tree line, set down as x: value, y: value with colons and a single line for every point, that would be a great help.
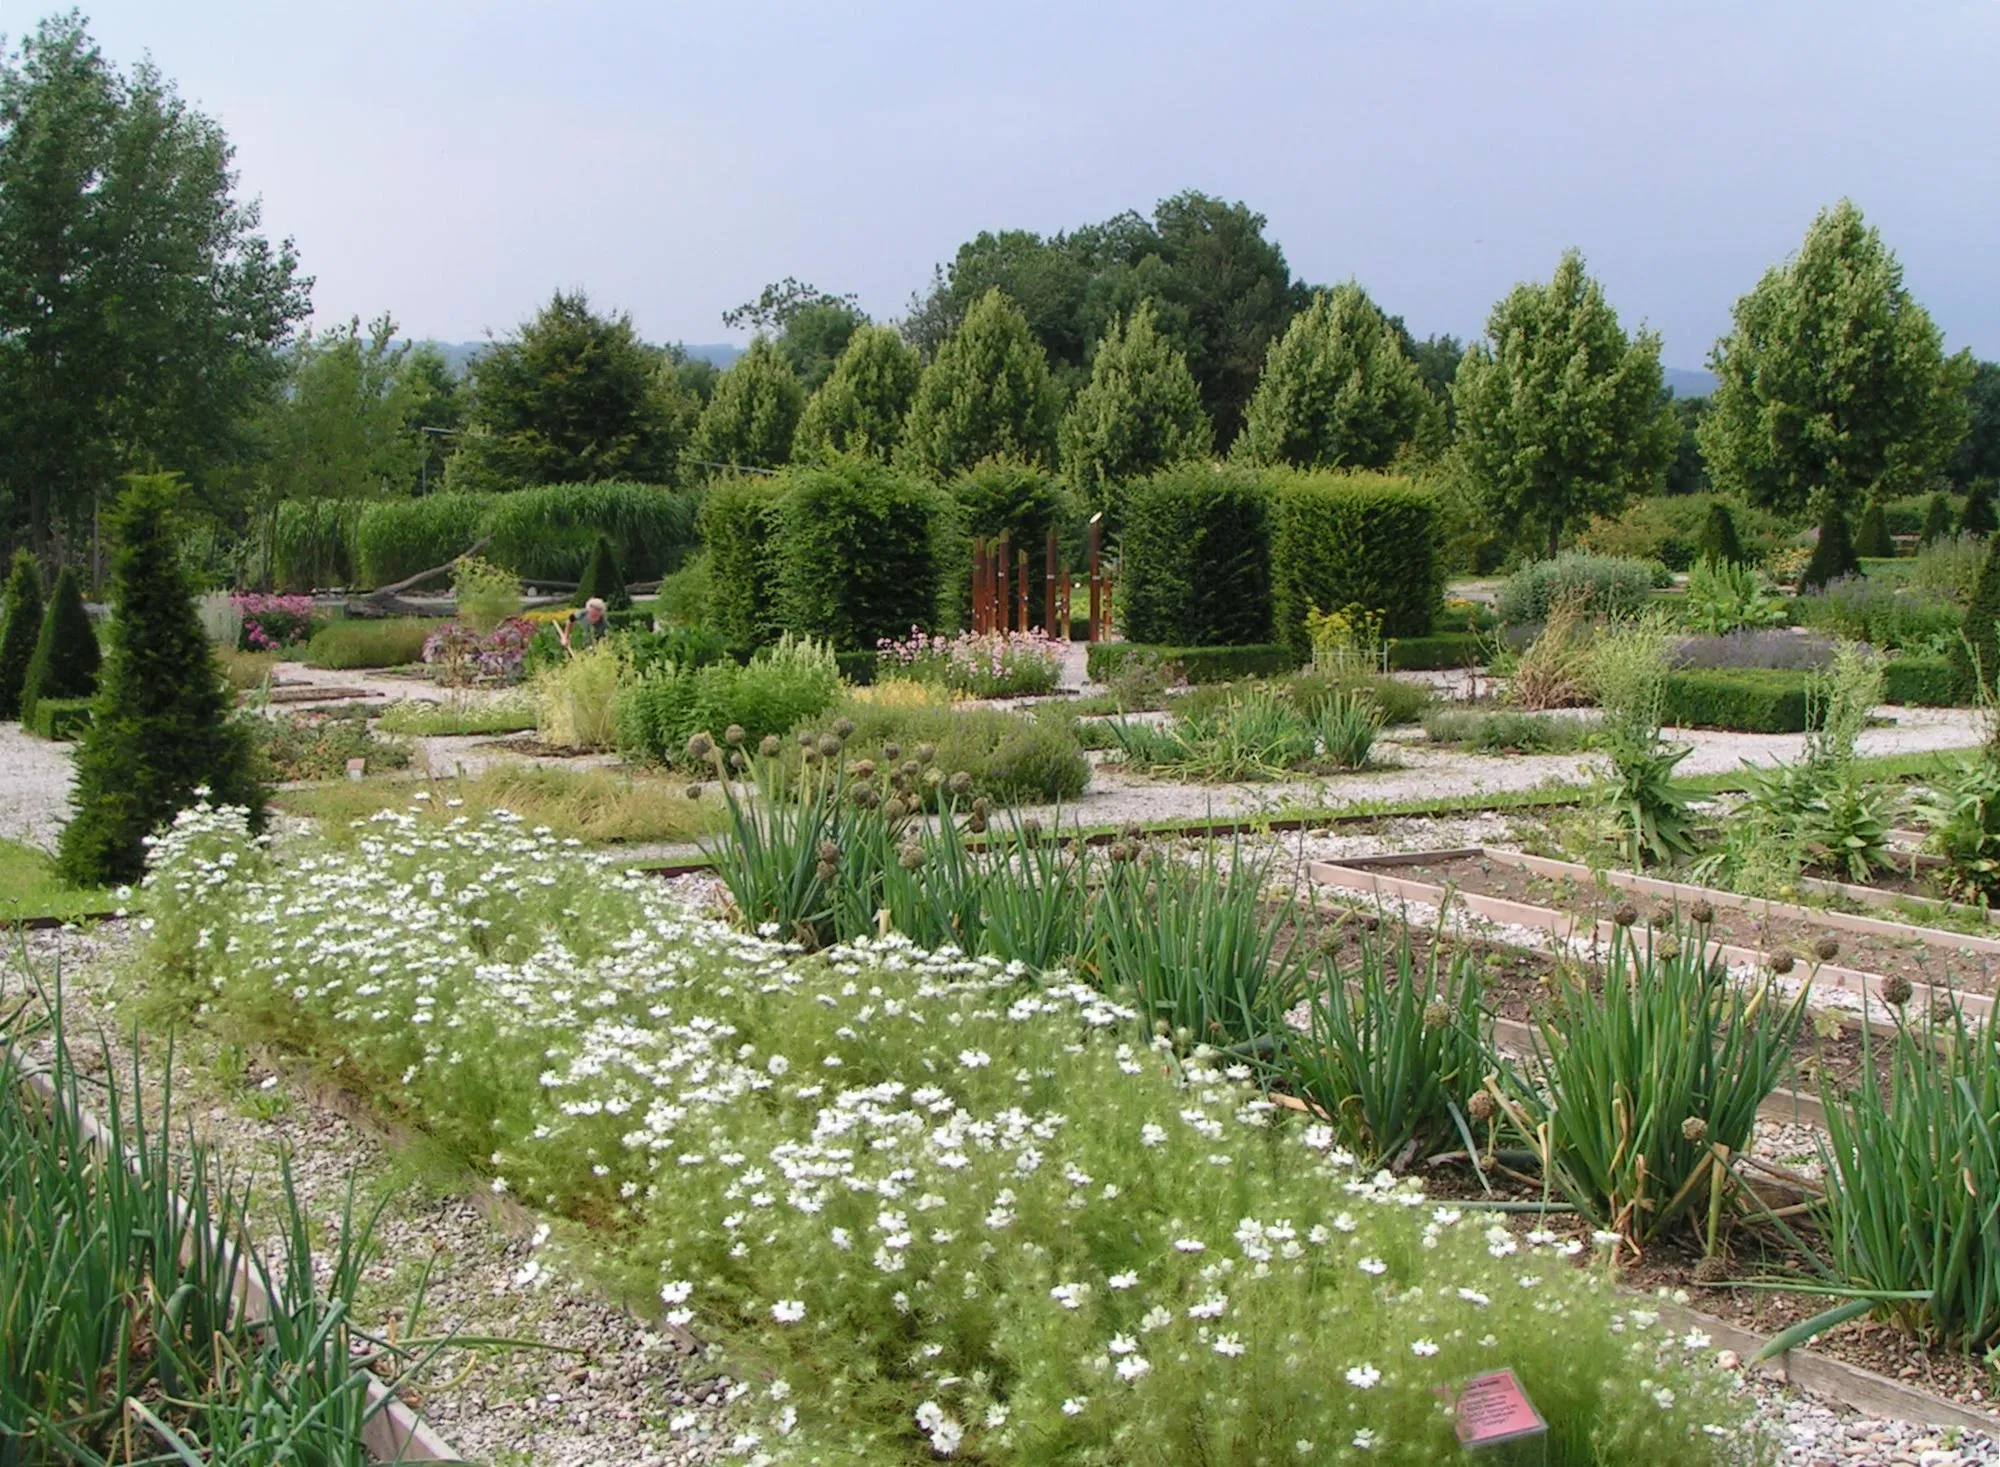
x: 147, y: 324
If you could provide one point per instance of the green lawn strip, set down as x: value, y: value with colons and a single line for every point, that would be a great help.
x: 30, y: 890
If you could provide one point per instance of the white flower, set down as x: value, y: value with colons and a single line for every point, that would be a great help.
x: 1373, y: 1267
x: 1228, y: 1345
x: 1664, y: 1398
x: 789, y: 1311
x: 1364, y: 1439
x: 1074, y: 1405
x: 1070, y: 1296
x: 1423, y: 1348
x: 677, y: 1292
x: 1212, y: 1307
x: 945, y: 1433
x: 974, y: 1059
x: 1133, y: 1366
x: 1190, y: 1245
x: 1363, y: 1377
x: 1694, y: 1339
x: 1124, y: 1345
x: 1156, y: 1318
x: 1123, y: 1281
x: 1473, y: 1296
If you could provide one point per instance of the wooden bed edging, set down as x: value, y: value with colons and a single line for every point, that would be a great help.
x: 395, y: 1433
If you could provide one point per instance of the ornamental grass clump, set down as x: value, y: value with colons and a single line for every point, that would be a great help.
x: 1252, y: 735
x: 930, y: 1203
x: 1646, y: 1088
x: 1912, y: 1158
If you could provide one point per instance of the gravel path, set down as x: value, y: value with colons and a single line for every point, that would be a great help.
x: 34, y: 787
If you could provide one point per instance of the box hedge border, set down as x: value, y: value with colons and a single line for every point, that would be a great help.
x: 1739, y: 700
x: 1196, y: 664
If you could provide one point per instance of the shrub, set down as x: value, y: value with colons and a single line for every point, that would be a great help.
x: 313, y: 543
x: 685, y: 595
x: 1012, y: 759
x: 1364, y: 540
x: 779, y: 688
x: 396, y: 538
x: 1022, y: 500
x: 60, y: 719
x: 161, y: 730
x: 1872, y: 538
x: 1946, y: 569
x: 1975, y: 516
x: 318, y: 745
x: 1604, y: 585
x: 266, y: 623
x: 1744, y: 700
x: 486, y: 594
x: 347, y: 645
x: 1553, y: 671
x: 1922, y: 682
x: 462, y: 655
x: 1673, y: 529
x: 737, y: 519
x: 603, y: 580
x: 66, y: 657
x: 1720, y: 543
x: 1105, y: 660
x: 552, y: 532
x: 1833, y: 555
x: 20, y: 631
x: 1871, y: 609
x: 576, y: 701
x: 1723, y: 597
x: 857, y: 549
x: 1962, y: 810
x: 1194, y: 559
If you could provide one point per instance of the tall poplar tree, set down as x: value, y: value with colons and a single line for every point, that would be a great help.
x: 1139, y: 412
x: 861, y: 406
x: 987, y: 393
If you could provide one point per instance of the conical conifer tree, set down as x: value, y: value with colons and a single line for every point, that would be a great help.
x: 1834, y: 556
x: 161, y: 729
x: 1937, y: 520
x: 66, y: 657
x: 602, y: 578
x: 1873, y: 539
x: 1977, y: 655
x: 1976, y: 517
x: 19, y: 631
x: 1719, y: 540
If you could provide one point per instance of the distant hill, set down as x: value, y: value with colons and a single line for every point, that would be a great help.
x: 1688, y: 381
x: 459, y: 354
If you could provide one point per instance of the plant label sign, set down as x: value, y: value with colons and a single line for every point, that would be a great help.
x: 1493, y: 1408
x: 356, y: 768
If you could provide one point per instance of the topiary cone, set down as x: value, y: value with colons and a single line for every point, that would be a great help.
x: 161, y: 728
x: 66, y: 658
x: 1937, y: 520
x: 1834, y: 556
x: 1873, y: 538
x: 1976, y: 655
x: 1976, y: 518
x: 602, y: 578
x: 1719, y: 540
x: 19, y: 631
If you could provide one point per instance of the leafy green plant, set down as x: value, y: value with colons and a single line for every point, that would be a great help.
x: 396, y: 538
x: 1501, y: 730
x: 487, y: 594
x: 1009, y: 758
x: 1628, y: 666
x: 459, y: 714
x: 1394, y: 1054
x: 1253, y: 735
x: 309, y: 746
x: 1645, y: 1087
x: 1723, y: 596
x: 782, y: 685
x: 1346, y: 724
x: 362, y: 643
x: 576, y: 701
x: 1961, y: 806
x: 1604, y: 585
x: 1946, y: 570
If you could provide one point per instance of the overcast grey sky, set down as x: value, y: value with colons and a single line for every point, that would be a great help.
x: 454, y: 161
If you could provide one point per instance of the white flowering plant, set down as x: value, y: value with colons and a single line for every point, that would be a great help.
x: 937, y: 1206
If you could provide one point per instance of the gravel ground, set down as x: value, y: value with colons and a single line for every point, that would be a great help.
x: 34, y: 787
x: 601, y: 1387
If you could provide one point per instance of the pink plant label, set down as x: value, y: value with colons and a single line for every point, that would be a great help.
x: 1493, y: 1408
x: 356, y: 768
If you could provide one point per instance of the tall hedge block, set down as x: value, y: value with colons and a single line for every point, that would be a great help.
x: 1340, y: 540
x: 66, y: 658
x: 160, y: 728
x: 312, y: 544
x: 1194, y: 559
x: 19, y: 630
x: 736, y: 521
x: 858, y: 552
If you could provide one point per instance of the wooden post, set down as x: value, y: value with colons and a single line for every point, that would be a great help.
x: 1020, y: 590
x: 1096, y: 540
x: 1049, y: 586
x: 1001, y: 603
x: 979, y: 583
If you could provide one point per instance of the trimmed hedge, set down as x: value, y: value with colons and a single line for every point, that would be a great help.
x: 396, y: 538
x: 344, y: 645
x: 1439, y: 650
x: 60, y: 719
x: 1923, y: 682
x: 1197, y: 664
x: 1742, y: 700
x: 858, y: 668
x: 736, y: 520
x: 857, y: 550
x: 1340, y: 540
x: 1194, y: 559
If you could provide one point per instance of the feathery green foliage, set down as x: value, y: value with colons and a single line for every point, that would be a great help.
x: 1338, y: 390
x: 1139, y: 412
x: 312, y: 543
x: 987, y: 392
x: 750, y: 419
x: 19, y: 631
x: 553, y: 531
x: 396, y: 538
x: 161, y: 728
x: 861, y: 406
x: 66, y: 657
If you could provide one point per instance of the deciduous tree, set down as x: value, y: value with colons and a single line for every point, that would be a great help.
x: 1560, y: 413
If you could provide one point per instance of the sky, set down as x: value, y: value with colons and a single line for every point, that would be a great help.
x: 454, y: 162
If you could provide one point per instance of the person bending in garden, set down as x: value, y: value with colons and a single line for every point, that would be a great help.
x: 586, y: 626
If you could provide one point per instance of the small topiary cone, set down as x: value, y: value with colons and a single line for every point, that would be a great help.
x: 19, y: 631
x: 66, y: 656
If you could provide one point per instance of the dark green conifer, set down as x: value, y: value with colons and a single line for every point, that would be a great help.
x: 66, y: 658
x: 1719, y: 540
x: 1873, y: 539
x: 19, y: 631
x: 602, y: 578
x: 1977, y: 655
x: 1834, y: 556
x: 1937, y: 520
x: 1976, y: 517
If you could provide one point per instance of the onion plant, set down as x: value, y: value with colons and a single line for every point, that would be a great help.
x: 124, y: 1340
x: 1395, y: 1053
x: 1649, y: 1085
x: 1912, y: 1160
